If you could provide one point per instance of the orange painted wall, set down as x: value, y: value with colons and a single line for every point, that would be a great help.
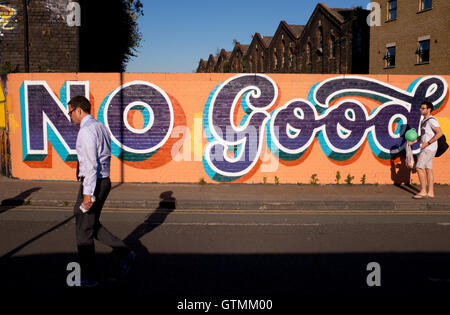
x: 188, y: 93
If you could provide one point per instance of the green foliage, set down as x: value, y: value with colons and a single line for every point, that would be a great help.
x: 314, y: 179
x: 338, y: 177
x: 7, y: 67
x: 202, y: 181
x: 363, y: 179
x: 349, y: 179
x: 264, y: 180
x: 277, y: 180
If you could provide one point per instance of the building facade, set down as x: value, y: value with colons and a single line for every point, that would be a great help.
x: 237, y: 64
x: 333, y: 41
x: 281, y: 51
x: 223, y: 64
x: 257, y: 57
x: 410, y: 37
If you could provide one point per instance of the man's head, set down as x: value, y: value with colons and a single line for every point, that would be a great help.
x: 79, y: 107
x: 426, y: 108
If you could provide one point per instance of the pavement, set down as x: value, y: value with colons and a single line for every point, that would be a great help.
x: 261, y: 197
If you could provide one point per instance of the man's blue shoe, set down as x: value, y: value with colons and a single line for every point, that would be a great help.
x: 125, y: 264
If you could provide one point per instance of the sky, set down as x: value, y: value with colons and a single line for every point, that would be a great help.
x: 177, y: 33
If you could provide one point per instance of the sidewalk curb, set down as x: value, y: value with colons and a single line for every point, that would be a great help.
x: 251, y: 205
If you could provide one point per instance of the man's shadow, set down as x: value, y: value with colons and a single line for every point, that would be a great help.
x: 155, y: 219
x: 401, y: 173
x: 16, y: 201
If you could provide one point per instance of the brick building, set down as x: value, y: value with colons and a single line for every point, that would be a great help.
x: 237, y: 64
x: 211, y: 63
x: 37, y: 38
x: 201, y: 66
x: 256, y: 59
x: 412, y: 37
x: 65, y: 35
x: 222, y: 63
x: 281, y: 51
x: 333, y: 41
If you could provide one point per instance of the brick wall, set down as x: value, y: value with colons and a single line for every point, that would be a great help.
x: 372, y: 148
x: 52, y: 44
x: 404, y: 32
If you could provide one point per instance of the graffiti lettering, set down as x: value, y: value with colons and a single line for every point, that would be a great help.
x: 244, y: 142
x: 45, y: 117
x: 341, y: 129
x: 330, y: 112
x: 133, y: 144
x: 6, y: 14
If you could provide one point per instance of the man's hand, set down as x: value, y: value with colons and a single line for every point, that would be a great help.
x: 87, y: 203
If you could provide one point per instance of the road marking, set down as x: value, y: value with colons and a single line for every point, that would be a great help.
x: 444, y: 223
x: 235, y: 224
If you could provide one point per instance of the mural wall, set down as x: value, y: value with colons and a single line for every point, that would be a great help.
x: 250, y: 128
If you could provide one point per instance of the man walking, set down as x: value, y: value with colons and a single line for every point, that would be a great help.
x: 94, y: 157
x: 430, y: 133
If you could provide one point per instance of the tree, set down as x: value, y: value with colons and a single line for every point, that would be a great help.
x: 109, y: 34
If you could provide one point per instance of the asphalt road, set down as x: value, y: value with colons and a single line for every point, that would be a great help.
x: 212, y: 255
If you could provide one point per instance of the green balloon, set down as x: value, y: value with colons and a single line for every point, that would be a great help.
x: 411, y: 135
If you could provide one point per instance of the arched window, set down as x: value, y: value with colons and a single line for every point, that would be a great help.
x: 308, y: 52
x: 320, y: 42
x: 291, y: 57
x: 333, y: 46
x: 257, y: 66
x: 275, y: 60
x: 261, y: 62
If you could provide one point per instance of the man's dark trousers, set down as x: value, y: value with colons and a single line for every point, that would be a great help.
x: 88, y: 228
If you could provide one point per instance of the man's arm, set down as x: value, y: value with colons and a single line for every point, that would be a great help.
x: 89, y: 147
x: 437, y: 134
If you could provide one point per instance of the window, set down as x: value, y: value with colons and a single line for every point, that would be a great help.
x: 261, y: 62
x: 358, y: 41
x: 275, y: 60
x: 320, y: 43
x: 333, y: 46
x: 308, y: 53
x: 389, y: 57
x: 423, y: 51
x: 291, y: 57
x: 425, y: 4
x: 392, y: 10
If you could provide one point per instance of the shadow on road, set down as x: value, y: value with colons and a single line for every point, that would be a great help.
x: 155, y: 219
x: 19, y: 200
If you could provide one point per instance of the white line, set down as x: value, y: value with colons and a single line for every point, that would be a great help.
x: 237, y: 224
